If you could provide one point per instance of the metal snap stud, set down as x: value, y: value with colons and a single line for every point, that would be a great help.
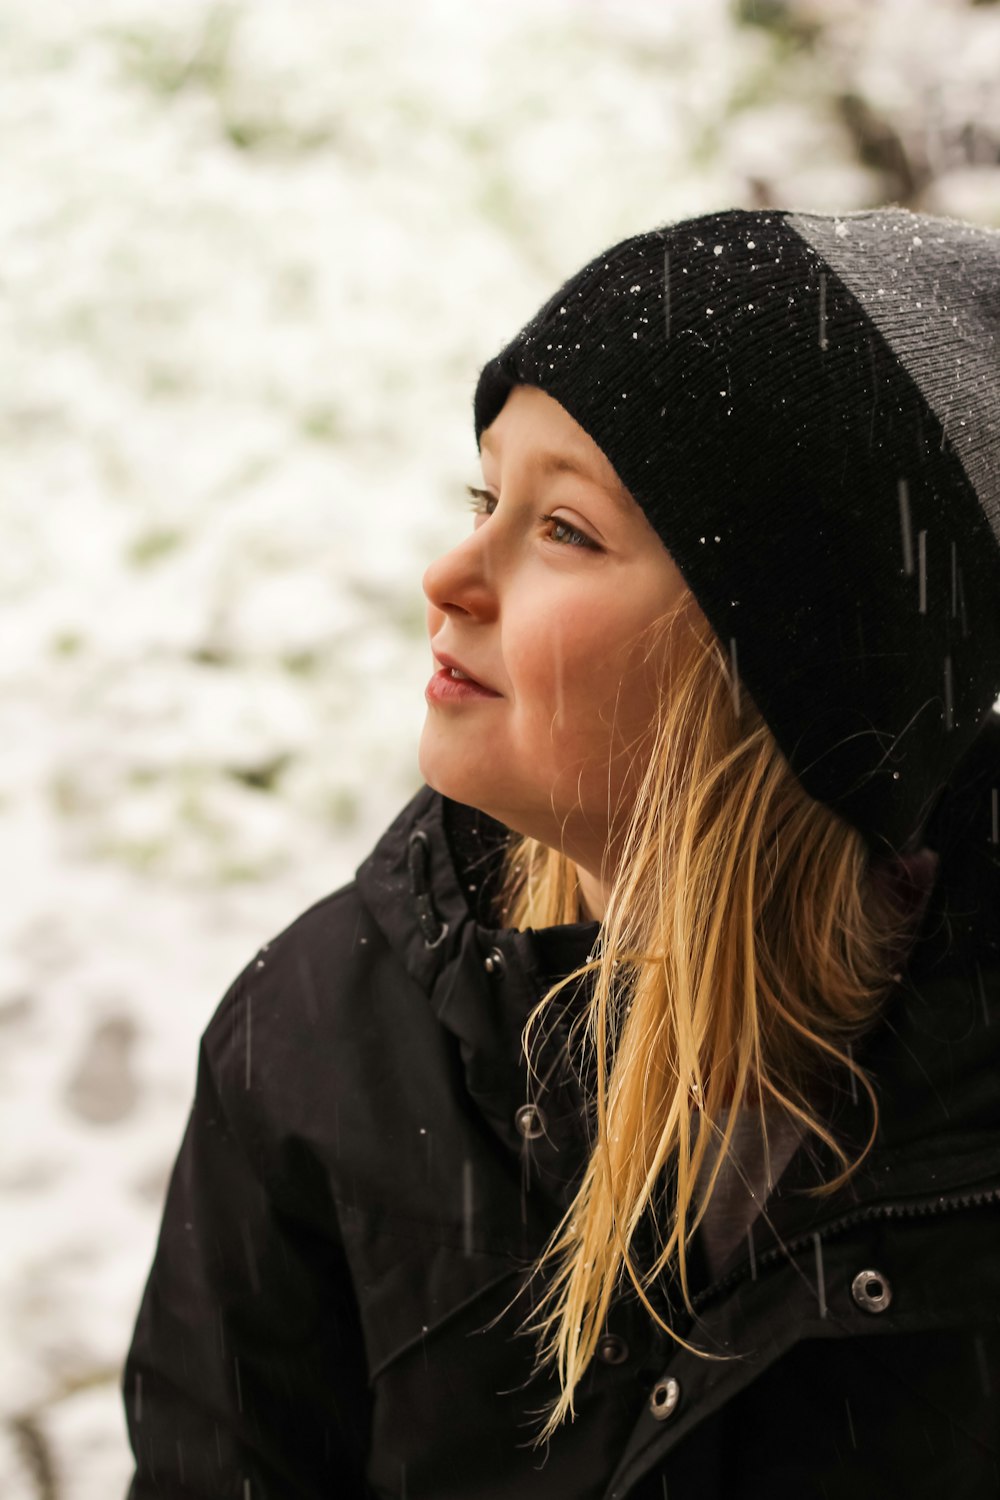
x: 665, y: 1398
x: 871, y: 1290
x: 493, y: 963
x: 530, y: 1122
x: 612, y: 1350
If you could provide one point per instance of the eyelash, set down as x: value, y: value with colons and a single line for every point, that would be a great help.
x: 576, y: 538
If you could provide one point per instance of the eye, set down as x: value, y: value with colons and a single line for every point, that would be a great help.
x: 484, y: 504
x: 481, y: 501
x: 568, y: 535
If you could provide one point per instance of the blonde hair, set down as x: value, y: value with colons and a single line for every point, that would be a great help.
x: 742, y: 948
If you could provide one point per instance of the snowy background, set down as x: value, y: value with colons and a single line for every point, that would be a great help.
x: 252, y: 256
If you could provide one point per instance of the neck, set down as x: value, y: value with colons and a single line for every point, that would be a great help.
x: 593, y: 896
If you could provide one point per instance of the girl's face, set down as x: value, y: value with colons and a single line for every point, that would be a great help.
x: 545, y: 606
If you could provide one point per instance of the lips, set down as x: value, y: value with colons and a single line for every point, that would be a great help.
x: 459, y: 673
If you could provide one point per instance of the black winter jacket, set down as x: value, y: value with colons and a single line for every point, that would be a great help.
x: 365, y: 1178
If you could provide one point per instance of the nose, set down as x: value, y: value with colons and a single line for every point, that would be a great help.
x: 459, y: 581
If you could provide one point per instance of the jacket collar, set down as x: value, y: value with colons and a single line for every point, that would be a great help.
x: 433, y: 872
x: 429, y: 884
x: 934, y: 1055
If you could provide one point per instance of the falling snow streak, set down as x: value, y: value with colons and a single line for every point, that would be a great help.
x: 906, y: 527
x: 823, y: 340
x: 251, y: 1257
x: 983, y: 1364
x: 734, y: 669
x: 666, y: 294
x: 922, y: 567
x: 850, y: 1424
x: 982, y: 995
x: 559, y: 663
x: 246, y: 1489
x: 247, y: 1085
x: 851, y: 1077
x: 949, y: 719
x: 467, y: 1206
x: 820, y: 1277
x: 753, y: 1253
x: 308, y: 988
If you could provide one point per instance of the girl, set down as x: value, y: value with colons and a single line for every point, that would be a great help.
x: 630, y: 1127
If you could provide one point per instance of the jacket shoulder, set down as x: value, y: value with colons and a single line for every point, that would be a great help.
x: 334, y: 935
x: 279, y: 973
x: 292, y: 1041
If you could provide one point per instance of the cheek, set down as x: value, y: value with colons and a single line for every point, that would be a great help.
x: 434, y: 618
x: 554, y: 654
x: 570, y: 672
x: 610, y: 684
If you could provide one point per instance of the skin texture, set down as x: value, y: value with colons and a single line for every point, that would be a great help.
x: 547, y: 602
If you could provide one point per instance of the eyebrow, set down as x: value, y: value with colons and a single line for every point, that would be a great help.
x: 548, y: 462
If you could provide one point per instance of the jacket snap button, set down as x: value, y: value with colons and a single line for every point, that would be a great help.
x: 493, y: 963
x: 665, y: 1398
x: 530, y: 1122
x: 612, y: 1349
x: 871, y: 1290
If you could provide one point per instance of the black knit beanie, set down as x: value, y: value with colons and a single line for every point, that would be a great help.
x: 807, y: 409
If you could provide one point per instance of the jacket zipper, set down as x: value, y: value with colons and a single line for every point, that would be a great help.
x: 837, y: 1226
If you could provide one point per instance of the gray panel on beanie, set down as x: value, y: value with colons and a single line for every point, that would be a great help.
x: 820, y: 457
x: 932, y: 288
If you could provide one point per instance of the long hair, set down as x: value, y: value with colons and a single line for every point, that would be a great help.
x: 743, y: 946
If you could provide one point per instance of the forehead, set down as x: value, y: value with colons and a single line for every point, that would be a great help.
x: 549, y: 442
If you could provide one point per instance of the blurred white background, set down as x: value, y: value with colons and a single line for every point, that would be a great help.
x: 252, y: 256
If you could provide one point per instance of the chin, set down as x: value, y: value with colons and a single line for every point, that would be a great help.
x: 444, y: 773
x: 457, y: 784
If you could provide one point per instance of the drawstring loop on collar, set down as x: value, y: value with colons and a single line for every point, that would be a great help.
x: 418, y: 861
